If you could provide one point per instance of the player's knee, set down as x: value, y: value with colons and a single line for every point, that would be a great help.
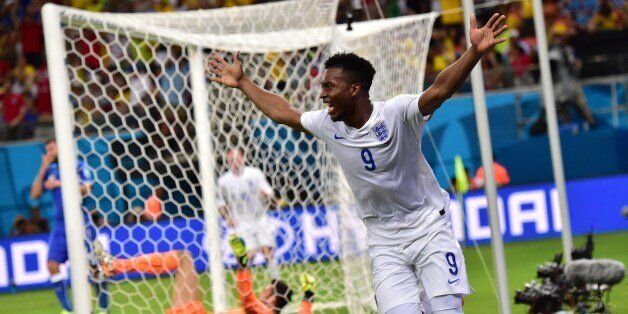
x: 53, y: 267
x: 407, y: 308
x: 446, y: 304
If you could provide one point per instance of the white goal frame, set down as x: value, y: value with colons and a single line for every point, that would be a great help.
x: 60, y: 89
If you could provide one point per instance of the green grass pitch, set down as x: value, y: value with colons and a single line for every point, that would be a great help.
x: 521, y: 260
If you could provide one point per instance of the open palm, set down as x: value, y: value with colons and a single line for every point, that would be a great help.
x: 484, y: 38
x: 226, y: 73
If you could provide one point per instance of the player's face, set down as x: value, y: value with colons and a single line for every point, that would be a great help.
x: 338, y: 94
x: 235, y: 160
x: 51, y: 148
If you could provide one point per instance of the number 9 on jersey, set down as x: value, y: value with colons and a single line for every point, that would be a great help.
x: 367, y: 158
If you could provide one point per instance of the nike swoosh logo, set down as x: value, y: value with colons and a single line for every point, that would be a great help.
x: 452, y: 281
x: 336, y: 137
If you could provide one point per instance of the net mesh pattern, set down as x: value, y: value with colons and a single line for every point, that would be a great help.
x: 133, y: 116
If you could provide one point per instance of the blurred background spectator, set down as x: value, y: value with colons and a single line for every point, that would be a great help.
x: 23, y: 226
x: 153, y: 207
x: 501, y: 176
x: 20, y: 226
x: 38, y: 223
x: 565, y: 70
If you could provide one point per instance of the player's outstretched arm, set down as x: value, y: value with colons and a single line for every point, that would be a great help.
x: 272, y: 105
x: 451, y: 78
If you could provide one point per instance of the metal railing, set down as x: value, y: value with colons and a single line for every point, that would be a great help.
x: 616, y: 107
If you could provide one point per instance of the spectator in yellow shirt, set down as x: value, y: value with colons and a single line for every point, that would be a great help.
x: 606, y: 18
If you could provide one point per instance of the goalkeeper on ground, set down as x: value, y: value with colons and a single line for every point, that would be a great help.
x: 186, y: 296
x: 244, y: 195
x: 276, y: 295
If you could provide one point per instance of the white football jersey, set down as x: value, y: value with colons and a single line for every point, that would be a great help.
x: 398, y: 196
x: 242, y: 193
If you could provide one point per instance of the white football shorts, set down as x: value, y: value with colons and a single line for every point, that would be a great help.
x: 420, y: 270
x: 256, y: 237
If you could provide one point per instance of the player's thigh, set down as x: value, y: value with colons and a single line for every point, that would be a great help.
x: 444, y: 304
x: 57, y: 245
x: 441, y: 266
x: 406, y: 308
x: 394, y: 279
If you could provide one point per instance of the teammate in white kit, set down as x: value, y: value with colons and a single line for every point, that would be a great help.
x: 416, y: 259
x: 244, y: 196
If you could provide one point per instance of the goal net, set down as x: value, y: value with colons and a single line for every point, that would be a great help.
x: 155, y: 133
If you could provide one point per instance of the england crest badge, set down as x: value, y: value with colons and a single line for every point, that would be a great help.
x: 381, y: 131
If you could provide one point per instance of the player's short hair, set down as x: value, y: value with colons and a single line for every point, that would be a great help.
x: 50, y: 140
x: 357, y: 69
x: 283, y: 293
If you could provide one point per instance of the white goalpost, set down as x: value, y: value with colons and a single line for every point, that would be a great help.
x: 132, y: 98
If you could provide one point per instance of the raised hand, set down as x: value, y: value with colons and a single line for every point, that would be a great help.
x: 226, y: 74
x: 484, y: 38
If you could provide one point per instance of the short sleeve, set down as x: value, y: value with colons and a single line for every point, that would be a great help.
x: 84, y: 174
x: 262, y: 183
x: 312, y: 121
x: 407, y: 106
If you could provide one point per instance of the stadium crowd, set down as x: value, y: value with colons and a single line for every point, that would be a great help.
x: 33, y: 225
x: 26, y: 110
